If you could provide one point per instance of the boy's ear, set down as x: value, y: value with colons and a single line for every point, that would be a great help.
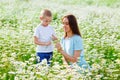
x: 41, y: 17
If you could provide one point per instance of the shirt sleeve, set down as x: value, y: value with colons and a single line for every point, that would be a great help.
x: 36, y: 32
x: 78, y: 43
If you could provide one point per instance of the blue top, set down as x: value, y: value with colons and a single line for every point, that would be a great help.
x: 71, y: 44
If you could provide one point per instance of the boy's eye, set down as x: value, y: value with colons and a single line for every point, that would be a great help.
x: 47, y: 21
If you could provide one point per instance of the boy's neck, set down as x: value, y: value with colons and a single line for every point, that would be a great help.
x: 44, y: 25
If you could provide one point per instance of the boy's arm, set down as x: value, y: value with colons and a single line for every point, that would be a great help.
x: 54, y: 37
x: 36, y: 41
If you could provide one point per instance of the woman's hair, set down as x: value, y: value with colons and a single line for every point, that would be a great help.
x: 73, y: 24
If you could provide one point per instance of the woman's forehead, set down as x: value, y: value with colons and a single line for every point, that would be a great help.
x: 65, y: 19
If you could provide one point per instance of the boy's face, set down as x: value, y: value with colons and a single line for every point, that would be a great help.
x: 46, y: 20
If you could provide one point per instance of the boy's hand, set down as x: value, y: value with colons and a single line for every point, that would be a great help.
x: 54, y: 37
x: 58, y: 46
x: 56, y: 41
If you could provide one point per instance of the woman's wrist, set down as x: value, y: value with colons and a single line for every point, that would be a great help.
x: 60, y: 50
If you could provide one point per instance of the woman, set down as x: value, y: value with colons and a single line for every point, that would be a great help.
x: 71, y: 46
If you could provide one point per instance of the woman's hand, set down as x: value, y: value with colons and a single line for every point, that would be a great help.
x: 58, y: 46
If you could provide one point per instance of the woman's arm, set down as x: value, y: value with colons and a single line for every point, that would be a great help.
x: 68, y: 58
x: 65, y: 62
x: 36, y: 41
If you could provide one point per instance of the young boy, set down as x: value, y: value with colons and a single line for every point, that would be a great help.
x: 43, y: 36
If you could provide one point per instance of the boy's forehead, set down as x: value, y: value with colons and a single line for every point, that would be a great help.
x: 47, y: 17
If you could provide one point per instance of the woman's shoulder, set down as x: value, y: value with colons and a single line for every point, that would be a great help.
x: 77, y: 37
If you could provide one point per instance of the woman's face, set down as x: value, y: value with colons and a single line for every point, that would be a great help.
x: 66, y: 26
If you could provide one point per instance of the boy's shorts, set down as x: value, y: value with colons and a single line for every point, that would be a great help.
x: 47, y: 56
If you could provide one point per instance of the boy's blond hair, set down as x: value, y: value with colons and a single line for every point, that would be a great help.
x: 46, y: 12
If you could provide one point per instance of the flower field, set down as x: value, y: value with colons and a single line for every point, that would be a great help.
x: 99, y: 23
